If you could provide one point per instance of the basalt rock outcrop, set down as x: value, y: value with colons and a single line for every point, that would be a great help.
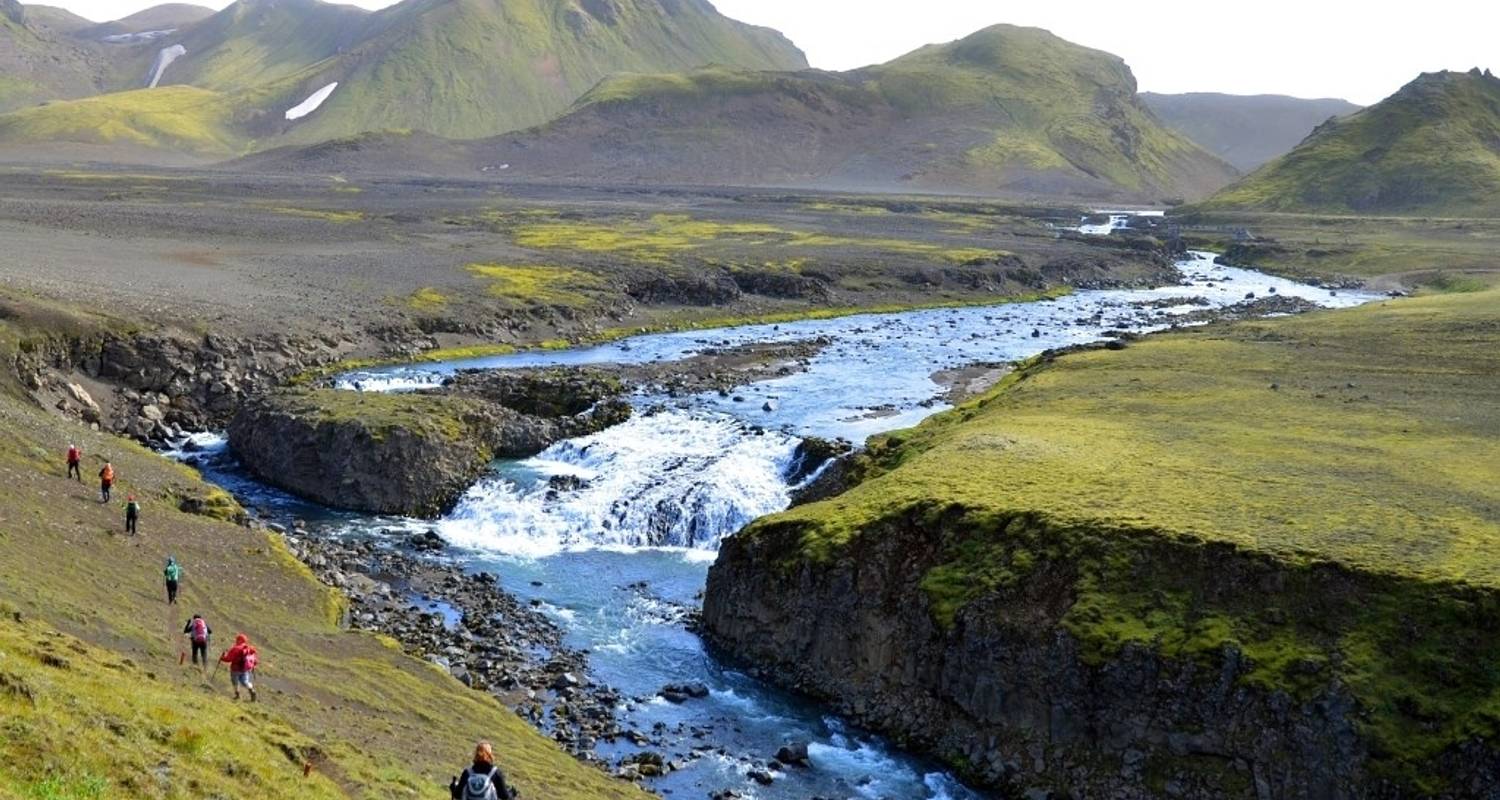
x: 154, y: 386
x: 415, y: 454
x: 1007, y: 695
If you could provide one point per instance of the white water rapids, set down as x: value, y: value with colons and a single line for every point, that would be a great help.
x: 707, y: 465
x: 610, y: 533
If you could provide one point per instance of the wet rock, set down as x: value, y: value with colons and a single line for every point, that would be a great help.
x: 683, y: 692
x: 427, y: 542
x: 794, y: 754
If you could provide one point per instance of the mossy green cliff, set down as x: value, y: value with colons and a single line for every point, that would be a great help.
x: 1247, y: 558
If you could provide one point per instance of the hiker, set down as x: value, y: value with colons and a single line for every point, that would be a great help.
x: 75, y: 462
x: 483, y: 780
x: 133, y: 516
x: 106, y: 481
x: 198, y: 633
x: 242, y: 660
x: 173, y: 572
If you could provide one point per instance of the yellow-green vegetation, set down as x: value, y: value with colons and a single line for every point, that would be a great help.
x: 1428, y: 149
x: 182, y: 117
x: 1319, y: 492
x: 93, y: 700
x: 1410, y: 249
x: 379, y: 414
x: 540, y: 285
x: 658, y: 237
x: 427, y: 299
x: 85, y: 722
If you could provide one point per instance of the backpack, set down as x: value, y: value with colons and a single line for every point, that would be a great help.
x: 480, y: 787
x: 249, y: 660
x: 200, y: 630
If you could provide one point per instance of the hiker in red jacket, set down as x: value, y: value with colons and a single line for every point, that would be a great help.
x: 75, y: 462
x: 242, y: 660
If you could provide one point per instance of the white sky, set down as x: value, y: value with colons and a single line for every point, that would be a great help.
x: 1356, y: 49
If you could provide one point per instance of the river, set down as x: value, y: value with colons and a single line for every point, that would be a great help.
x: 614, y: 559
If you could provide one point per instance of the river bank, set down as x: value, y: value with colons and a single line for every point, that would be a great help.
x: 646, y: 504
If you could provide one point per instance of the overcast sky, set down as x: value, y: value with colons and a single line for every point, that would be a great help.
x: 1355, y: 49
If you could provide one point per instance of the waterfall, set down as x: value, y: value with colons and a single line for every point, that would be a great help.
x: 663, y: 479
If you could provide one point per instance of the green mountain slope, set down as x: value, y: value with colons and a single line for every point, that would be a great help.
x: 472, y: 68
x: 1431, y: 148
x: 1246, y: 131
x: 38, y: 63
x: 459, y: 68
x: 1005, y: 111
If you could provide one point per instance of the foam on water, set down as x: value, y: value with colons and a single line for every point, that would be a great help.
x: 664, y: 479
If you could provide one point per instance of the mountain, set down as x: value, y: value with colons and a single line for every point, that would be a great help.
x: 460, y: 68
x: 1246, y: 131
x: 1431, y: 148
x: 39, y: 63
x: 1007, y: 110
x: 154, y: 20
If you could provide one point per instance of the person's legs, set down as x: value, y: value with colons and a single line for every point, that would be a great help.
x: 200, y: 653
x: 171, y: 585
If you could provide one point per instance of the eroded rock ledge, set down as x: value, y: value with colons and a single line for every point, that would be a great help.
x: 1004, y: 689
x: 414, y: 454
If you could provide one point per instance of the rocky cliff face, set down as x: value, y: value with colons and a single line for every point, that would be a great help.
x: 415, y: 454
x: 386, y: 455
x: 1010, y: 698
x: 155, y: 386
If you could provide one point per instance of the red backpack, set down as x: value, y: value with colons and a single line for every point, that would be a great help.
x: 200, y: 630
x: 249, y: 660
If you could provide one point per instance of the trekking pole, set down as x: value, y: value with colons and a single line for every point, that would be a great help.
x: 215, y: 676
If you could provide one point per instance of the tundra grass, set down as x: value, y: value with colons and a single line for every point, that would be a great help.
x: 659, y: 237
x: 124, y: 719
x: 181, y: 117
x: 539, y: 285
x: 1409, y: 250
x: 1320, y: 493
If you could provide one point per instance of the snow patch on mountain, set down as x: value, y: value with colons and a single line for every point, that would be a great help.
x: 137, y: 37
x: 311, y: 104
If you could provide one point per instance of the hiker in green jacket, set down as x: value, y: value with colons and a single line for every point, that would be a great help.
x: 173, y: 574
x: 132, y: 514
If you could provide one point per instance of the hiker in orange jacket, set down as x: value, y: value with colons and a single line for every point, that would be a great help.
x: 242, y: 660
x: 106, y: 481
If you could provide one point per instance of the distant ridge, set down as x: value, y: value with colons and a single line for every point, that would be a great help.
x: 1008, y: 110
x: 1431, y: 148
x: 1245, y: 130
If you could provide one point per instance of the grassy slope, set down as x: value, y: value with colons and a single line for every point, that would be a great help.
x: 1431, y: 148
x: 473, y: 68
x: 1005, y: 109
x: 1064, y: 107
x: 181, y: 117
x: 373, y: 721
x: 1365, y: 483
x: 1407, y: 251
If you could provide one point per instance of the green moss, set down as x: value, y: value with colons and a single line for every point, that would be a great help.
x: 540, y: 285
x: 1317, y: 494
